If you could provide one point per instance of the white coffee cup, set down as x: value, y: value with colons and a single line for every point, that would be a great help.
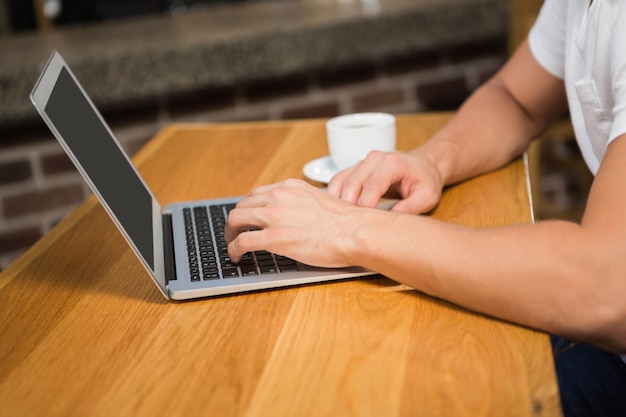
x: 352, y: 136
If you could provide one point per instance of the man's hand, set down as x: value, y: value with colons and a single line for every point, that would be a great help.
x: 296, y: 220
x: 411, y: 175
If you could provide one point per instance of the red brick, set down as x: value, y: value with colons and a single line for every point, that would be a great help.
x: 119, y: 116
x: 328, y: 109
x: 201, y: 101
x: 404, y: 64
x: 477, y: 50
x: 443, y: 95
x: 339, y: 77
x: 273, y: 89
x: 15, y: 171
x: 18, y: 239
x: 378, y: 99
x: 24, y: 132
x: 56, y: 164
x: 40, y: 201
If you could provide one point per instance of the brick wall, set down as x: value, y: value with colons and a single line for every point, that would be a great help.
x: 39, y: 185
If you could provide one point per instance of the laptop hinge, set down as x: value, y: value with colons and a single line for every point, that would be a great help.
x: 168, y: 247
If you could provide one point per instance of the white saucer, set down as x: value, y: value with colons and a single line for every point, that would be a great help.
x: 320, y: 169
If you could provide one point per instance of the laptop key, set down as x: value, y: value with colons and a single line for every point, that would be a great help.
x: 286, y: 264
x: 230, y: 272
x: 248, y: 269
x: 289, y: 267
x: 208, y: 275
x: 268, y: 269
x: 266, y: 262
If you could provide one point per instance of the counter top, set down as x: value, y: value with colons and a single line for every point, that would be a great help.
x: 153, y: 56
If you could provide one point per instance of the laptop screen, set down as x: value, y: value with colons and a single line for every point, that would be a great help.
x: 103, y: 161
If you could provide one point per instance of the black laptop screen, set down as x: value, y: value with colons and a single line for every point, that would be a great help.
x: 103, y: 161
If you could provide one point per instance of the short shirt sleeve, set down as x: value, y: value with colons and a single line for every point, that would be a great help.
x: 618, y: 69
x: 547, y: 37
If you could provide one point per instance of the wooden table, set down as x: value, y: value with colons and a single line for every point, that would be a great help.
x: 83, y: 331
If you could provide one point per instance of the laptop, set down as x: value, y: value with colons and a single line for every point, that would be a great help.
x: 182, y: 245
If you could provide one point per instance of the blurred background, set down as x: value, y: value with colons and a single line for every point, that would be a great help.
x: 23, y: 15
x: 147, y: 63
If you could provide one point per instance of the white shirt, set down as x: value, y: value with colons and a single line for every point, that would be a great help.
x: 585, y: 45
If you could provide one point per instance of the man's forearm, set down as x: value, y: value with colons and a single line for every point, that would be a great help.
x: 539, y: 275
x: 478, y: 138
x: 499, y: 120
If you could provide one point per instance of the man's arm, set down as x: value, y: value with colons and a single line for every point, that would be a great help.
x: 561, y: 277
x: 492, y: 127
x: 556, y: 276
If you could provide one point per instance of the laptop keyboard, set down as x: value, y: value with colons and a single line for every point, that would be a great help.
x: 208, y: 254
